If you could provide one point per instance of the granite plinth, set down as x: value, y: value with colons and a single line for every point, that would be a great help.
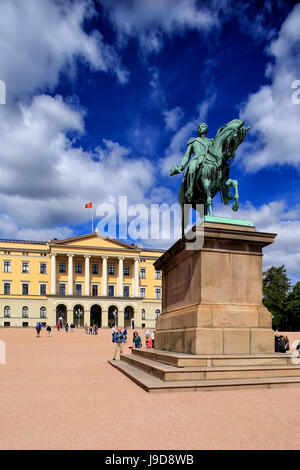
x: 212, y: 296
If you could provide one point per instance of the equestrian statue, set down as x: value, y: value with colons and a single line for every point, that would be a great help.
x: 207, y: 162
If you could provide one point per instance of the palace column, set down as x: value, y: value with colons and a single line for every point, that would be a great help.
x: 136, y: 277
x: 87, y: 290
x: 105, y: 317
x: 70, y: 274
x: 104, y: 276
x: 53, y: 274
x: 120, y: 277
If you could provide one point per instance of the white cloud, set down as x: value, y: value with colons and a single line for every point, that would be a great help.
x: 46, y: 177
x: 273, y: 118
x: 173, y: 117
x: 151, y: 20
x: 274, y: 217
x: 40, y: 39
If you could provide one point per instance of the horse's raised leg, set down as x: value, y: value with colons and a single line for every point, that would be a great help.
x: 207, y: 188
x: 233, y: 184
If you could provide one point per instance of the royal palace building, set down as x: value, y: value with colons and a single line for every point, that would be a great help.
x: 89, y: 279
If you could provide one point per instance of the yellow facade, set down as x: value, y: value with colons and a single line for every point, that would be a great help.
x: 85, y: 280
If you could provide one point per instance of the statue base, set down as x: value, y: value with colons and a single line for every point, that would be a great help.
x: 212, y: 295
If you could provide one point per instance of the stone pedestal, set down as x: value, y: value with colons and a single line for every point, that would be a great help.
x: 212, y: 296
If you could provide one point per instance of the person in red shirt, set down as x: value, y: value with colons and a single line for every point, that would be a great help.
x: 148, y: 341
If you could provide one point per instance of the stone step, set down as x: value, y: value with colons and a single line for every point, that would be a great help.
x: 169, y: 373
x: 190, y: 360
x: 153, y: 384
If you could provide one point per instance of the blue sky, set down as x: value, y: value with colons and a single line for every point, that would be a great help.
x: 103, y: 95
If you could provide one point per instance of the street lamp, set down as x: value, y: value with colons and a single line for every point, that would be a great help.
x: 78, y: 313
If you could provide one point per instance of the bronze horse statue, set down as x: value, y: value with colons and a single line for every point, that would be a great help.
x: 212, y: 173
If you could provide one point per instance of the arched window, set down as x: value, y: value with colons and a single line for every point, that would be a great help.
x: 25, y: 312
x: 7, y: 311
x: 43, y: 312
x: 157, y: 313
x: 143, y: 314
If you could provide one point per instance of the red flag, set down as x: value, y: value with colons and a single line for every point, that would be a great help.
x: 87, y: 206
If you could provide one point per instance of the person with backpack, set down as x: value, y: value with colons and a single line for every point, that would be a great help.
x: 118, y: 339
x: 38, y: 328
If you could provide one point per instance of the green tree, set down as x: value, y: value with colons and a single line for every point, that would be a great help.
x: 293, y: 308
x: 276, y: 287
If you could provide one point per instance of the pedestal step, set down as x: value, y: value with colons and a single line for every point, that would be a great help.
x: 153, y: 384
x: 191, y: 360
x: 169, y: 373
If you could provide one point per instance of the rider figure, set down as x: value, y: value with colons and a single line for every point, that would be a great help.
x: 198, y: 147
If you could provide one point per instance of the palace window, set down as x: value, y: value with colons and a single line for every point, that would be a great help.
x: 111, y: 291
x: 6, y: 288
x: 126, y: 270
x: 94, y: 290
x: 78, y: 268
x: 143, y: 314
x: 78, y: 289
x: 6, y: 311
x: 126, y: 291
x: 43, y: 268
x: 7, y: 267
x: 142, y: 273
x: 157, y: 293
x: 62, y: 288
x: 25, y: 289
x: 62, y: 267
x: 95, y: 268
x: 43, y: 289
x: 111, y: 269
x: 25, y: 312
x: 25, y: 267
x: 157, y: 313
x: 43, y: 312
x: 143, y: 292
x: 157, y: 274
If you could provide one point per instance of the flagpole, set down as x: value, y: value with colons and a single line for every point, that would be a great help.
x: 92, y: 217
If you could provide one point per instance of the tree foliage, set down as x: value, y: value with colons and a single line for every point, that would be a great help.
x: 276, y: 288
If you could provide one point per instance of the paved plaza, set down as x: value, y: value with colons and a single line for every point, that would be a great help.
x: 59, y: 392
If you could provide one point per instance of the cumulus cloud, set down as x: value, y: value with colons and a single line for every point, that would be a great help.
x: 41, y: 39
x: 273, y: 117
x: 150, y: 21
x: 46, y: 177
x: 173, y: 117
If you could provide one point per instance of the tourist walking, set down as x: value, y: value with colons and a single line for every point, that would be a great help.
x: 67, y: 327
x: 137, y: 342
x: 38, y: 328
x: 86, y: 329
x: 72, y: 326
x: 48, y: 329
x: 118, y: 339
x: 58, y: 326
